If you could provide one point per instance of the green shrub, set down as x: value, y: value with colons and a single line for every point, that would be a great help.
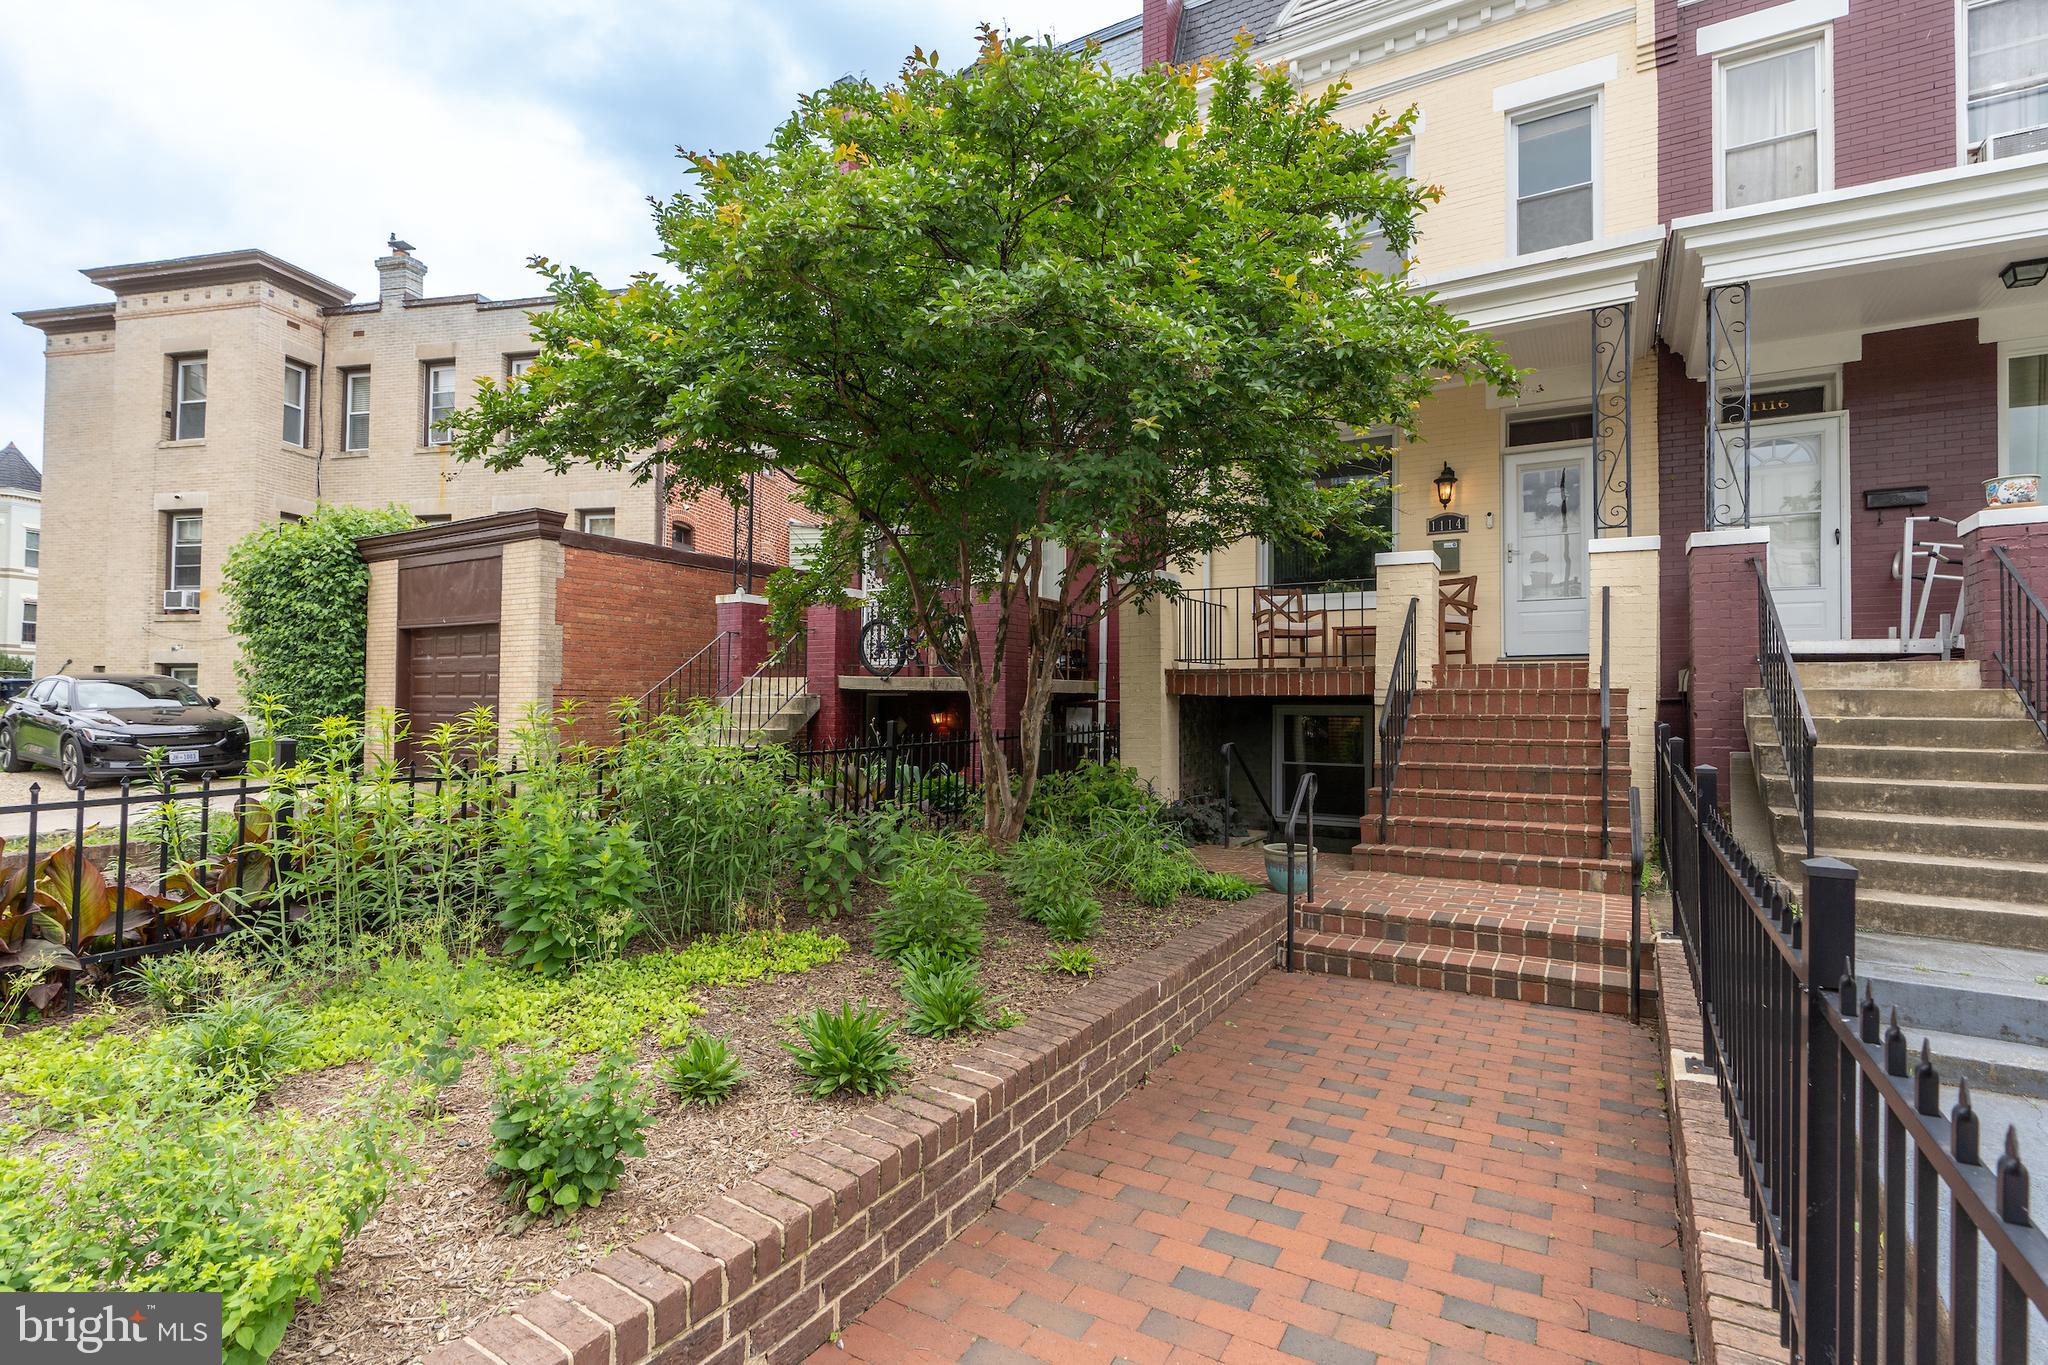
x: 1072, y: 921
x: 180, y: 983
x: 929, y: 908
x: 854, y: 1049
x: 704, y: 1071
x: 1221, y: 886
x: 238, y: 1045
x: 297, y: 596
x: 946, y: 1000
x: 1074, y: 800
x: 1044, y: 871
x: 827, y: 855
x: 1158, y: 879
x: 1074, y: 961
x: 561, y: 1146
x: 571, y: 885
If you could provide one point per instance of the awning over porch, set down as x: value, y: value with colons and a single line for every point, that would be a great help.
x: 1536, y: 305
x: 1824, y: 269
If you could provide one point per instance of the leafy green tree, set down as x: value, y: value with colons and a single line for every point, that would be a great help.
x: 974, y: 314
x: 298, y: 603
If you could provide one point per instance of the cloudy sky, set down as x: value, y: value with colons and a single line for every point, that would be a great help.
x: 482, y: 131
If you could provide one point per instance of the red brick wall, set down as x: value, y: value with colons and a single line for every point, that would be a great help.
x: 2027, y: 547
x: 627, y: 621
x: 1723, y: 650
x: 1895, y: 95
x: 1681, y: 510
x: 709, y: 517
x: 1923, y: 409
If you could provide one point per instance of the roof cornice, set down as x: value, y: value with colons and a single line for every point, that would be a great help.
x: 1322, y: 39
x: 218, y: 267
x: 83, y: 317
x: 1550, y: 283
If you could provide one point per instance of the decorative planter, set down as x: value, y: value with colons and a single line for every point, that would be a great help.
x: 2014, y: 490
x: 1277, y: 870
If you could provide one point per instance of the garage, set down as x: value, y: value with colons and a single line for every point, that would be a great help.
x: 449, y: 670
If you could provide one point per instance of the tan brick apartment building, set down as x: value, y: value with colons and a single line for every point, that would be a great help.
x: 216, y: 394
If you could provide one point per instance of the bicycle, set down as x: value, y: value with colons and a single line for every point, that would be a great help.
x: 887, y: 646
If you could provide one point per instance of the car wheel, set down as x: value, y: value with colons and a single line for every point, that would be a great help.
x: 71, y: 760
x: 9, y: 763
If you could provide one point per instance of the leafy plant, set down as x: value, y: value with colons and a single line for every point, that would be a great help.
x: 930, y: 908
x: 181, y: 983
x: 561, y: 1146
x: 851, y: 1050
x: 1158, y: 881
x: 1070, y: 801
x: 238, y: 1045
x: 572, y: 884
x: 827, y: 855
x: 1220, y: 886
x: 946, y: 1000
x: 297, y: 595
x: 1071, y: 961
x: 704, y: 1071
x: 1045, y: 871
x: 1071, y: 921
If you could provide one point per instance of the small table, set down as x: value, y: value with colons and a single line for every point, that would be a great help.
x: 1362, y: 639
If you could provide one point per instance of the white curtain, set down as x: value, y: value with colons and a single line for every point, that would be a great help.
x: 2027, y: 415
x: 2008, y: 67
x: 1770, y: 128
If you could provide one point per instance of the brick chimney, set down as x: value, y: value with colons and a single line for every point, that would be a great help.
x: 1162, y: 28
x: 399, y: 276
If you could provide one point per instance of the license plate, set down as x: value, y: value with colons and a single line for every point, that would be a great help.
x: 184, y: 755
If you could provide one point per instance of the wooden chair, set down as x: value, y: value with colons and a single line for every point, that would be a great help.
x: 1283, y: 626
x: 1457, y: 603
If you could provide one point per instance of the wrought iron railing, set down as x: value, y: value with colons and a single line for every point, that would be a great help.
x: 1635, y: 903
x: 1779, y: 675
x: 937, y: 776
x: 1329, y: 625
x: 1304, y: 796
x: 1400, y: 684
x: 1827, y: 1113
x: 1606, y: 717
x: 2022, y: 648
x: 706, y: 673
x: 764, y: 694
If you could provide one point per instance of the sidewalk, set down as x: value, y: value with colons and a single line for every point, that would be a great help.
x: 1335, y: 1171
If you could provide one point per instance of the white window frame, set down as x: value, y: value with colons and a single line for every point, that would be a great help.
x: 1279, y: 743
x: 32, y: 548
x: 349, y: 410
x: 2009, y: 351
x: 1262, y: 560
x: 171, y: 544
x: 178, y: 672
x: 180, y: 367
x: 27, y: 634
x: 1963, y: 8
x: 519, y: 363
x: 1822, y: 39
x: 434, y: 374
x: 294, y: 370
x: 1591, y: 99
x: 586, y: 515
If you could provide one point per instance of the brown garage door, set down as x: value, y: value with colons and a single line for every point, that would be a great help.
x: 449, y: 669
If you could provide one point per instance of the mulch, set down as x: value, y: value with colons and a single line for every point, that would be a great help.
x: 440, y: 1255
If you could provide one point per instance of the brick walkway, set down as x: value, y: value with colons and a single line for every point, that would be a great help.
x: 1335, y: 1171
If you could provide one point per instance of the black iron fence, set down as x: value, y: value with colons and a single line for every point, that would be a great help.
x: 1793, y: 718
x: 938, y: 776
x: 2022, y: 649
x: 1401, y: 682
x: 1309, y: 626
x: 1828, y: 1113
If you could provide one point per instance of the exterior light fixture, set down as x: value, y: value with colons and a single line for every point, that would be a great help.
x: 1446, y: 484
x: 2025, y: 274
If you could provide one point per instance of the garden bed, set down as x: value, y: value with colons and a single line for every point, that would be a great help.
x: 438, y: 1257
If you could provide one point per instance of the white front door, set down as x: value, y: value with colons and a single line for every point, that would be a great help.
x: 1795, y: 489
x: 1547, y: 526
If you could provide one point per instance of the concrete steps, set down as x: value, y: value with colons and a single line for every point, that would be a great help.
x: 767, y: 711
x: 1985, y: 1016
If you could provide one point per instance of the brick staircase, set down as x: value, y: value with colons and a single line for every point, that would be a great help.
x: 1499, y: 781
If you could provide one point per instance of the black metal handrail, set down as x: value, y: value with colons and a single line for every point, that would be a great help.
x: 1635, y: 903
x: 1779, y: 676
x: 1232, y: 756
x: 754, y: 703
x: 1606, y: 716
x: 2022, y: 649
x: 1826, y: 1110
x: 1304, y: 792
x: 703, y: 674
x: 1401, y: 680
x: 1277, y: 625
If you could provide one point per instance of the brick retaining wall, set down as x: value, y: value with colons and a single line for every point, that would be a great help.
x: 771, y: 1268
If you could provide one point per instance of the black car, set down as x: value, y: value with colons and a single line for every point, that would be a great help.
x: 106, y: 726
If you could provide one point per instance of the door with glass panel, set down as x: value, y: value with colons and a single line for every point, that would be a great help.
x: 1333, y: 742
x: 1545, y: 550
x: 1795, y: 490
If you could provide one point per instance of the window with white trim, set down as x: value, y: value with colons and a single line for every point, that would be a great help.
x: 1772, y: 117
x: 188, y: 397
x: 1374, y: 254
x: 2005, y: 81
x: 2026, y: 414
x: 355, y: 421
x: 598, y: 521
x: 181, y: 567
x: 1551, y: 174
x: 28, y: 623
x: 187, y: 674
x: 32, y: 549
x: 1343, y: 560
x: 440, y: 403
x: 294, y: 404
x: 516, y: 365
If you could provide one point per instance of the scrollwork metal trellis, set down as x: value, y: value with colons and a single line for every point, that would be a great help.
x: 1728, y: 371
x: 1613, y: 419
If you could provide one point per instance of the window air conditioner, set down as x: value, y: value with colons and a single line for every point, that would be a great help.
x: 181, y: 599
